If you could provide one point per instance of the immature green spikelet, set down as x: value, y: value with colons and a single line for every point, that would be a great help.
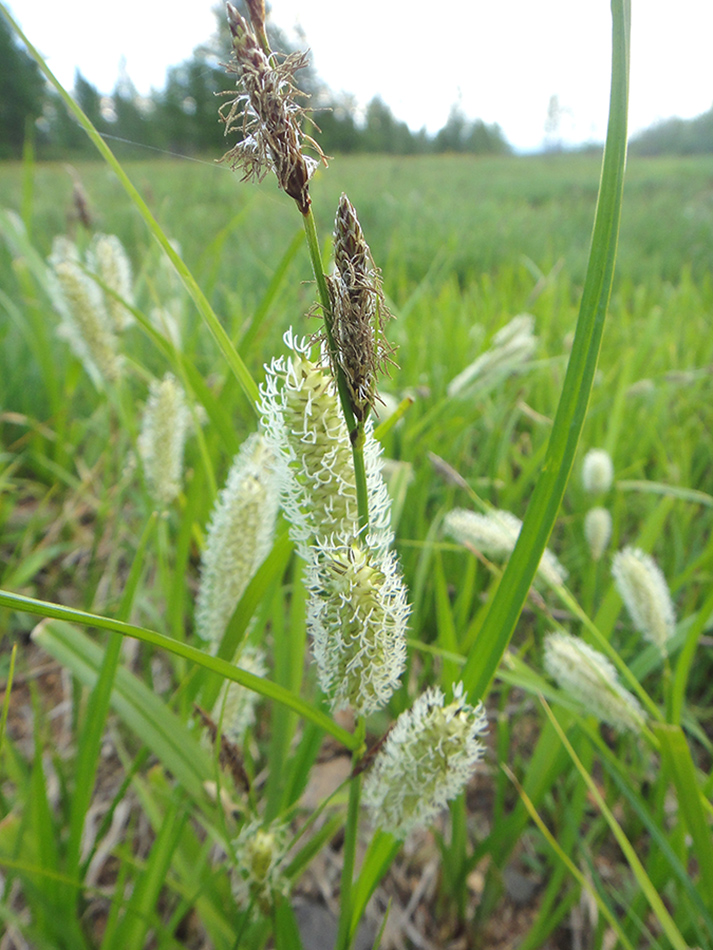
x: 357, y: 608
x: 511, y: 349
x: 597, y: 471
x: 267, y: 114
x: 495, y: 535
x: 259, y: 871
x: 239, y: 537
x: 85, y: 322
x: 107, y: 259
x: 358, y: 312
x: 164, y: 428
x: 591, y: 679
x: 643, y: 588
x: 234, y: 710
x: 597, y: 531
x: 426, y: 761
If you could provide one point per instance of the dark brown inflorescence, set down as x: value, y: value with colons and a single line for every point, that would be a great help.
x: 358, y: 312
x: 267, y: 114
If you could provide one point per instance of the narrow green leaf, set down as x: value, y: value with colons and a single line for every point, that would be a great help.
x: 677, y: 757
x: 566, y: 860
x: 382, y: 850
x: 256, y: 683
x: 144, y: 712
x: 642, y: 878
x: 286, y: 932
x: 276, y: 282
x: 673, y: 491
x: 571, y: 411
x: 90, y: 738
x: 658, y: 838
x: 447, y: 638
x: 685, y: 658
x: 141, y: 907
x: 8, y: 692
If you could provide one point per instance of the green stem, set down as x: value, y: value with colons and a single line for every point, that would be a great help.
x: 350, y: 843
x: 355, y: 429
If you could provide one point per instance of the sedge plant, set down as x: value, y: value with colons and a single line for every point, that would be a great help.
x: 319, y: 457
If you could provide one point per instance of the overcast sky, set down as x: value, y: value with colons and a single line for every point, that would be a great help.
x: 502, y: 61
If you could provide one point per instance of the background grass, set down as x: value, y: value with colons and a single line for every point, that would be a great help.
x: 464, y: 244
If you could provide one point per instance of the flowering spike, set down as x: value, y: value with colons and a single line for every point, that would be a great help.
x: 426, y: 761
x: 512, y: 346
x: 239, y: 537
x: 358, y: 311
x: 259, y: 869
x: 267, y: 115
x: 235, y: 707
x: 107, y: 259
x: 495, y: 535
x: 163, y: 434
x: 591, y: 679
x: 645, y: 593
x: 305, y: 429
x: 357, y: 615
x: 597, y: 531
x: 85, y: 321
x: 597, y: 471
x: 357, y: 608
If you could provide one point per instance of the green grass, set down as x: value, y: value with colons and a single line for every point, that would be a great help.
x: 464, y: 245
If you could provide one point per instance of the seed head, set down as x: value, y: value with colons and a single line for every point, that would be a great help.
x: 107, y: 259
x: 259, y: 871
x: 495, y: 535
x: 590, y: 678
x: 597, y: 531
x: 305, y: 429
x: 357, y: 608
x: 597, y: 471
x: 645, y: 593
x: 356, y: 615
x: 85, y: 323
x: 235, y: 706
x: 512, y: 347
x: 163, y: 435
x: 358, y: 312
x: 239, y: 537
x: 426, y: 761
x: 267, y: 114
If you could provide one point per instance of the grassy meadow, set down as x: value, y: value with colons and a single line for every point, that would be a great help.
x: 572, y: 832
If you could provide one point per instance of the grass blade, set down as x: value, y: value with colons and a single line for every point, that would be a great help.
x: 677, y: 757
x: 256, y: 683
x: 542, y: 511
x: 642, y: 878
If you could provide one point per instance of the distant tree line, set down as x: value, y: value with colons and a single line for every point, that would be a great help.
x: 183, y: 116
x: 676, y: 137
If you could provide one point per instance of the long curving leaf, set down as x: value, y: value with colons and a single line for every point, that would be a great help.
x: 256, y: 683
x: 542, y: 511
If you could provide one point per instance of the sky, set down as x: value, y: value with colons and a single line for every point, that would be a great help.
x: 499, y: 60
